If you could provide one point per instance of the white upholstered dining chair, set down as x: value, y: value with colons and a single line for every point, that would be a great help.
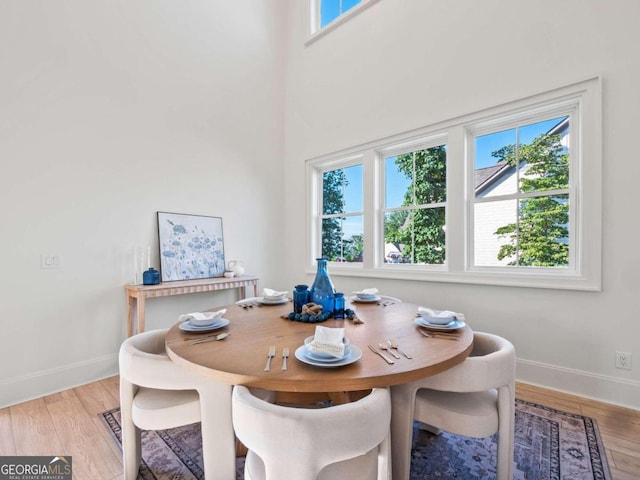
x: 475, y: 398
x: 156, y: 394
x: 349, y: 441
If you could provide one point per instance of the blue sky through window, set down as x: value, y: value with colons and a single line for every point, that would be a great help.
x: 486, y: 144
x: 332, y: 9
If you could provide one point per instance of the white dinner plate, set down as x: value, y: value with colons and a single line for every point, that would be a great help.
x: 375, y: 299
x: 355, y: 354
x: 453, y: 325
x: 188, y: 327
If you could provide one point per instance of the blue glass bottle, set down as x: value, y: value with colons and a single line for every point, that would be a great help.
x: 322, y: 290
x: 151, y: 277
x: 338, y: 309
x: 300, y: 297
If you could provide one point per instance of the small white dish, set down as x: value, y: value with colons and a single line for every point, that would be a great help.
x: 325, y: 358
x: 187, y: 326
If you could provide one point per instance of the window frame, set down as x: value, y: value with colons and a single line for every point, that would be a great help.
x: 583, y: 99
x: 312, y: 14
x: 433, y: 140
x: 569, y: 108
x: 315, y: 182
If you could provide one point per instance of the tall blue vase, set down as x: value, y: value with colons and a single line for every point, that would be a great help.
x: 322, y: 290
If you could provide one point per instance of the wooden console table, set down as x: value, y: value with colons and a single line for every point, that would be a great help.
x: 137, y: 294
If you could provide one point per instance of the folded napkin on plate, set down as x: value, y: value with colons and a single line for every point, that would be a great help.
x: 429, y: 312
x: 268, y: 293
x: 329, y: 341
x: 367, y: 291
x: 202, y: 317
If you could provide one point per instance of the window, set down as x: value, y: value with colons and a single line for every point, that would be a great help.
x: 414, y: 206
x: 341, y: 216
x: 325, y: 15
x: 332, y: 9
x: 507, y: 196
x: 522, y: 198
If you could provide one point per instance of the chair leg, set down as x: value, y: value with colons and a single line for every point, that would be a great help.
x: 218, y: 439
x: 402, y: 411
x: 506, y: 415
x: 131, y: 443
x: 384, y: 459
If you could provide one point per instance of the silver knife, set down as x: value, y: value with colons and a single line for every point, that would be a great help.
x: 387, y: 359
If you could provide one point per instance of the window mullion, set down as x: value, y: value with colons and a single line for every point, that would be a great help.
x: 372, y: 223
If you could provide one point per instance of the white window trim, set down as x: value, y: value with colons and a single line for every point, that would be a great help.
x: 312, y: 15
x: 586, y: 170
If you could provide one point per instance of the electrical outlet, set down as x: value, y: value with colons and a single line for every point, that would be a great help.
x: 48, y: 261
x: 623, y: 360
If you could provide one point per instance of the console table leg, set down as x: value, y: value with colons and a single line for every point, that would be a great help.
x: 130, y: 302
x: 141, y: 314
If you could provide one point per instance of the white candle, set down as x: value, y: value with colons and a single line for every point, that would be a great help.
x: 149, y: 256
x: 135, y: 265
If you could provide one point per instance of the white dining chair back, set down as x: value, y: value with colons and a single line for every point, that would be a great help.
x: 348, y: 441
x: 156, y: 394
x: 475, y: 398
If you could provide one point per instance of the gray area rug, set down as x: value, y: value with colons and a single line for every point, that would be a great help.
x: 549, y: 445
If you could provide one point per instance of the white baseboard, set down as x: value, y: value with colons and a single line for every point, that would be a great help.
x: 617, y: 391
x: 35, y: 385
x: 604, y: 388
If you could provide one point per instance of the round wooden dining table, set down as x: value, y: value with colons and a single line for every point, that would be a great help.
x: 240, y: 358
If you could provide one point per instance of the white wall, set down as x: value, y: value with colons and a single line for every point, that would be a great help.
x: 109, y: 112
x: 405, y: 64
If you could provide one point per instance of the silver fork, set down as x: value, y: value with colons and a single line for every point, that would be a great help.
x: 386, y: 346
x: 394, y: 344
x: 272, y: 353
x: 285, y: 355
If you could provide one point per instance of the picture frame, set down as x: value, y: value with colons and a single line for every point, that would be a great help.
x: 191, y: 246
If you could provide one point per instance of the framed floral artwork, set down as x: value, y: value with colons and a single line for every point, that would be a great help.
x: 191, y: 246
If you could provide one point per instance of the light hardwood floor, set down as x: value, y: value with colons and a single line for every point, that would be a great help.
x: 67, y: 423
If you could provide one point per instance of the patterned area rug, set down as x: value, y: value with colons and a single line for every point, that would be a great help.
x: 549, y: 445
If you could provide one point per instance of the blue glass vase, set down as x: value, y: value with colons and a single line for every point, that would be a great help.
x: 300, y: 297
x: 322, y: 291
x: 151, y: 277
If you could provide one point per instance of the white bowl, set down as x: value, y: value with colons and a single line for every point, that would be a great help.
x: 366, y: 296
x: 438, y: 320
x: 229, y: 274
x: 308, y: 340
